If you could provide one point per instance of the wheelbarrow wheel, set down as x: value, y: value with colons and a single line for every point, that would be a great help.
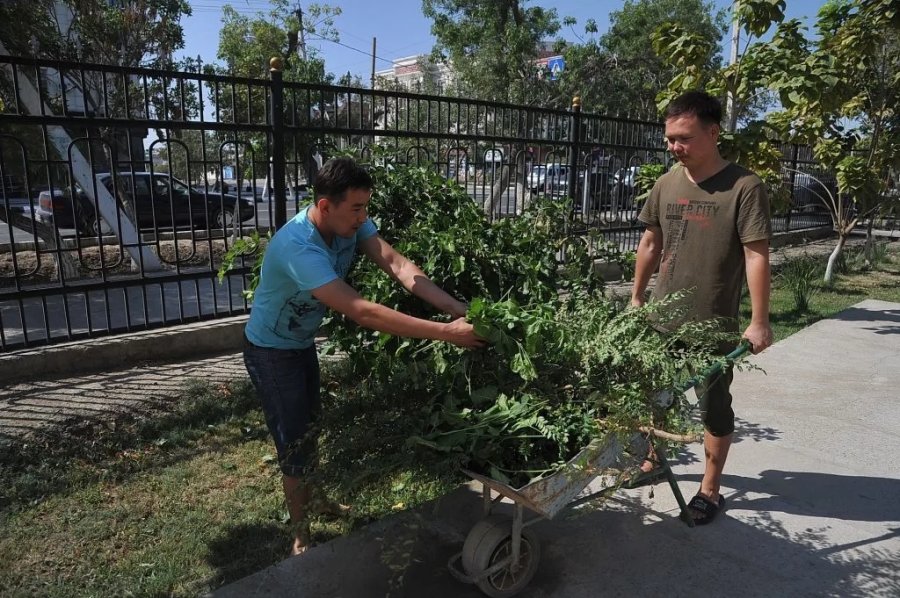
x: 489, y: 543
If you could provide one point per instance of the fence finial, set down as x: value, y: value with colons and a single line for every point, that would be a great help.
x: 576, y: 102
x: 276, y: 63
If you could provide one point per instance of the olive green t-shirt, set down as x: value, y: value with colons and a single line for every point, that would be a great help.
x: 704, y: 227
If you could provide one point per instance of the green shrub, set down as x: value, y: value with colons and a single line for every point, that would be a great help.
x: 876, y: 254
x: 801, y: 276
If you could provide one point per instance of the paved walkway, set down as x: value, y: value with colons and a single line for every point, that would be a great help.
x: 29, y: 407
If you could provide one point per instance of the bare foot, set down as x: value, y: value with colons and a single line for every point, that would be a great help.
x: 302, y: 541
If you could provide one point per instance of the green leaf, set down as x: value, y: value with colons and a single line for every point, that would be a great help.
x: 522, y: 365
x: 486, y: 394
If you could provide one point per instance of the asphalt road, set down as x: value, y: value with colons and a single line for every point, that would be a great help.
x: 262, y: 219
x: 75, y: 313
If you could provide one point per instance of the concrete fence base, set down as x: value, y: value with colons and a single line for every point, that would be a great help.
x: 122, y: 351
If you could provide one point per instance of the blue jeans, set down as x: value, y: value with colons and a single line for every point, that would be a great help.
x: 287, y: 383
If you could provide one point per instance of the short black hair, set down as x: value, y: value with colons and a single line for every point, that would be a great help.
x: 337, y: 176
x: 705, y: 107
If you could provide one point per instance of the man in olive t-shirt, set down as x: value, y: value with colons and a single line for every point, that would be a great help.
x: 704, y: 229
x: 708, y: 225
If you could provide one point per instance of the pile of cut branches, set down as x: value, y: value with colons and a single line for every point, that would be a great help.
x: 565, y: 365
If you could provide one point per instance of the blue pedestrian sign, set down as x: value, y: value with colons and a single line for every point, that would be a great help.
x: 556, y: 64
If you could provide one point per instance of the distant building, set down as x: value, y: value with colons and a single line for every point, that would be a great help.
x: 415, y: 73
x: 421, y: 73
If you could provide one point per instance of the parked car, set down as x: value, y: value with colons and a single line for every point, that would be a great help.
x: 810, y: 191
x: 626, y: 177
x: 556, y: 179
x: 600, y: 189
x: 160, y: 201
x: 536, y: 177
x: 14, y: 197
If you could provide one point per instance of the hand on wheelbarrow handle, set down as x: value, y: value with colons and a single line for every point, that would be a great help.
x: 740, y: 351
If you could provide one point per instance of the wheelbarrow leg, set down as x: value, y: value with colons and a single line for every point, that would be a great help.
x: 517, y: 524
x: 673, y: 484
x: 486, y: 502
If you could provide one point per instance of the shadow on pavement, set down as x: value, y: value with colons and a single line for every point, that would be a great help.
x: 619, y: 548
x: 745, y: 431
x: 848, y: 498
x: 859, y: 314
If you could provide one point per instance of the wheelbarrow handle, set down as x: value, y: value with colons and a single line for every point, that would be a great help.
x: 715, y: 368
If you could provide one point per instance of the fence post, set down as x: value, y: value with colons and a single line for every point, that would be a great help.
x: 575, y: 149
x: 575, y: 152
x: 277, y: 115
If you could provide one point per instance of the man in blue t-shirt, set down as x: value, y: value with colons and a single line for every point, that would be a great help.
x: 302, y: 274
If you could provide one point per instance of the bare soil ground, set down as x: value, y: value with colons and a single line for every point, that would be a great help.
x: 41, y: 267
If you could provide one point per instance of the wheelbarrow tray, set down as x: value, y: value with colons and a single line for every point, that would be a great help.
x: 548, y: 495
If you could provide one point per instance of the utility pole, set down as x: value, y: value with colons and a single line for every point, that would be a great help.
x: 731, y: 110
x: 374, y: 42
x: 301, y: 33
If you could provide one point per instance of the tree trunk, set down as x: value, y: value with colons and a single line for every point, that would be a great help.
x: 66, y: 268
x: 523, y: 191
x: 514, y: 172
x: 833, y: 258
x: 493, y: 204
x: 870, y: 240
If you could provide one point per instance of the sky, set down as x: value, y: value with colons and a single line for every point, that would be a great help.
x: 398, y: 25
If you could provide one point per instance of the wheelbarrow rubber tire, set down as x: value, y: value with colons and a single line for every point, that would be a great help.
x: 489, y: 542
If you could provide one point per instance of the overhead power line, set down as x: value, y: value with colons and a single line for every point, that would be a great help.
x: 367, y: 53
x: 256, y: 8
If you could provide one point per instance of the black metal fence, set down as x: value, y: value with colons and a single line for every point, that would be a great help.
x: 121, y: 188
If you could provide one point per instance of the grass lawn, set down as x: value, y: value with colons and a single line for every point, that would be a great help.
x: 852, y: 286
x: 183, y: 502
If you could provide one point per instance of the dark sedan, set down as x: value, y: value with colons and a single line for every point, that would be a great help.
x: 160, y: 202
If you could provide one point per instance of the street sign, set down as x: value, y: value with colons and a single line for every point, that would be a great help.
x: 556, y: 64
x: 227, y: 172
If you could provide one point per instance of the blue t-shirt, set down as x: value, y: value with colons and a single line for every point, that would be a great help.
x: 285, y: 315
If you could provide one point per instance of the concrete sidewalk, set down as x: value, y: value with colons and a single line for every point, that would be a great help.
x: 813, y: 489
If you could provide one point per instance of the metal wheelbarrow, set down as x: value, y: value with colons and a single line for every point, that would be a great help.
x: 500, y: 556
